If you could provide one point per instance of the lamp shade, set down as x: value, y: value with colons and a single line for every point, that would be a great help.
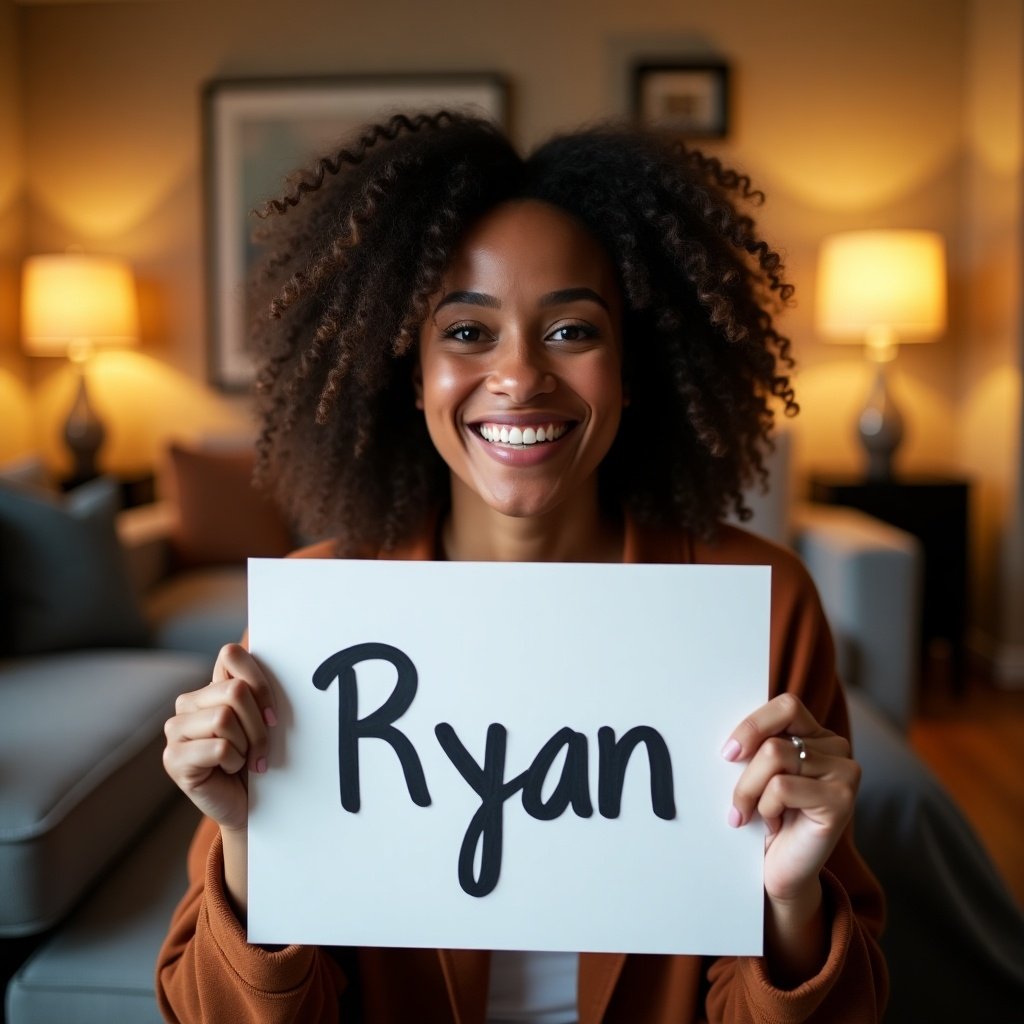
x: 891, y: 282
x: 77, y: 302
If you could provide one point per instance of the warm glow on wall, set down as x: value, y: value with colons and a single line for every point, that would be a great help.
x: 16, y: 416
x: 831, y: 395
x: 146, y: 403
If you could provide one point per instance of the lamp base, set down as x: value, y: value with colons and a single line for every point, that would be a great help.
x: 84, y: 433
x: 880, y: 428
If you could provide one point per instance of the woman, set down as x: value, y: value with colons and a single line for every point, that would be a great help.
x: 567, y: 358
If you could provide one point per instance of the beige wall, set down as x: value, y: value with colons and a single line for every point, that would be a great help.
x: 15, y: 409
x: 848, y: 115
x: 989, y: 398
x: 845, y: 113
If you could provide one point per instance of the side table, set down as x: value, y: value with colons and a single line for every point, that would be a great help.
x: 935, y: 510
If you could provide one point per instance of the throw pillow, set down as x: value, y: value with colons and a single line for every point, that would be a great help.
x: 222, y: 518
x: 64, y: 582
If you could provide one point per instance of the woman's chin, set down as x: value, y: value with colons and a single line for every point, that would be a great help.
x: 515, y: 496
x: 524, y: 503
x: 523, y: 508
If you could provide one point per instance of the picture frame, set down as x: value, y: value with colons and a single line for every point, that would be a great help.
x: 258, y: 130
x: 690, y: 98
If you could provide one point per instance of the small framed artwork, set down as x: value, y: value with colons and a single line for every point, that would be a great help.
x: 689, y: 98
x: 257, y: 131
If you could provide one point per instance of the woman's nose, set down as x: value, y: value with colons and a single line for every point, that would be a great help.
x: 520, y: 371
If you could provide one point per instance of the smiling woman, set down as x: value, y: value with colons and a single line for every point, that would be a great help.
x: 378, y: 240
x: 521, y: 385
x: 471, y: 355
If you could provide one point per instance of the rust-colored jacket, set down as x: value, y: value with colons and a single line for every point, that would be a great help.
x: 207, y: 971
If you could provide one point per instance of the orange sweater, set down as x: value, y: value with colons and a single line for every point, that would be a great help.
x: 206, y: 971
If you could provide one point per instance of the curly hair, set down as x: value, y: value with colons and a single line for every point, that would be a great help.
x: 358, y: 246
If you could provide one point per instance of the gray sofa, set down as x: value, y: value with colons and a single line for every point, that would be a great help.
x: 86, y: 810
x: 106, y: 913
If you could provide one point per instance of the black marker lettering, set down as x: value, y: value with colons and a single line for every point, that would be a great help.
x: 379, y: 725
x: 486, y: 828
x: 572, y: 786
x: 487, y: 825
x: 614, y: 757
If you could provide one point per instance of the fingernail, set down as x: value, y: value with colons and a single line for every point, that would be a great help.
x: 261, y: 765
x: 731, y: 750
x: 735, y: 818
x: 269, y: 717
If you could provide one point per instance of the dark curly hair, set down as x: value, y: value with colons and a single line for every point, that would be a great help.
x: 358, y: 246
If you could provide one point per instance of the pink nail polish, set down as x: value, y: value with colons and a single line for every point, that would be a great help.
x: 261, y: 765
x: 731, y: 750
x: 735, y: 818
x: 269, y: 717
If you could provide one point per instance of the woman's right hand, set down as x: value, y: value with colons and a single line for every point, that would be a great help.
x: 219, y: 731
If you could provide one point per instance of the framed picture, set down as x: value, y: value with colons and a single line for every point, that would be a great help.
x: 259, y: 130
x: 689, y: 98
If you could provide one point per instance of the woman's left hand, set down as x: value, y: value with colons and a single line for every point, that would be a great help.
x: 805, y: 801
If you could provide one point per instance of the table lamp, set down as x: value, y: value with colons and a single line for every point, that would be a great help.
x: 881, y: 289
x: 72, y: 304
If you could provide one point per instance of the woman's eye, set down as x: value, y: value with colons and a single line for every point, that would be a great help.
x: 463, y: 332
x: 572, y: 332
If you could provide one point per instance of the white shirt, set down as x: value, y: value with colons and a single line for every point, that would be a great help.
x: 532, y: 988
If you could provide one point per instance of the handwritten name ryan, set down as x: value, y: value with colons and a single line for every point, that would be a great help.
x: 487, y: 781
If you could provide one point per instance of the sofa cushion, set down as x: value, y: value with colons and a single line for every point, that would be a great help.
x: 222, y: 518
x: 63, y: 578
x: 80, y: 741
x: 99, y: 967
x: 199, y: 609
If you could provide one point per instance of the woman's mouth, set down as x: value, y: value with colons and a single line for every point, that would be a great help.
x: 521, y: 436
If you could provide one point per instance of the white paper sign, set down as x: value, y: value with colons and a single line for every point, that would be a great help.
x: 534, y: 750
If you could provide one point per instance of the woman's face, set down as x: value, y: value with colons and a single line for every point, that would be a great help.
x: 520, y: 365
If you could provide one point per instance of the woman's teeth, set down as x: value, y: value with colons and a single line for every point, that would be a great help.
x: 500, y: 433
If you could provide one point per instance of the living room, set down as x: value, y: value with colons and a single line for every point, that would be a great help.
x: 875, y: 122
x: 848, y: 116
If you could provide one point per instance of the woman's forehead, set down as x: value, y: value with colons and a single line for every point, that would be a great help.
x: 530, y: 240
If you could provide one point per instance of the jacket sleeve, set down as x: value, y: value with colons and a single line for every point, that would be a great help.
x: 852, y: 986
x: 207, y: 971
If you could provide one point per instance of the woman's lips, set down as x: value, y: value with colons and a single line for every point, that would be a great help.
x: 524, y: 442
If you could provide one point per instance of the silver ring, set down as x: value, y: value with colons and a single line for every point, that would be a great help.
x: 801, y: 752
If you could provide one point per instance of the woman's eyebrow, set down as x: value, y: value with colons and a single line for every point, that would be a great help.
x: 572, y: 295
x: 550, y: 299
x: 469, y: 299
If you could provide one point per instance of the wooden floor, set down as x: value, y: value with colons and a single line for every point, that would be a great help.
x: 974, y: 743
